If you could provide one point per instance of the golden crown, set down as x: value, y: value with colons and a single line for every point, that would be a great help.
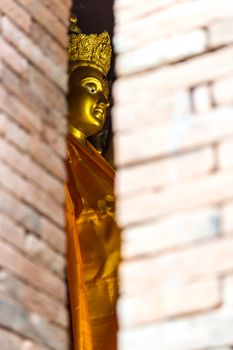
x: 89, y: 50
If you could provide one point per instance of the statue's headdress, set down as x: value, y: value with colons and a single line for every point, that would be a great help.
x: 88, y: 50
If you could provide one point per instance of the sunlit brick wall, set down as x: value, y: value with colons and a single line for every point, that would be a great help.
x: 173, y: 124
x: 33, y: 313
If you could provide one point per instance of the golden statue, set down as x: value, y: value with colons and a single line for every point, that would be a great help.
x: 93, y: 237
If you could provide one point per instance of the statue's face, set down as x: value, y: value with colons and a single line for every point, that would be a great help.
x: 88, y: 100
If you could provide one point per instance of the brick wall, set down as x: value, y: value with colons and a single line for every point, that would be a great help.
x: 173, y: 123
x: 33, y: 313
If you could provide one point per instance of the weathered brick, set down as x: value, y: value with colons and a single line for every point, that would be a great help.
x: 169, y: 171
x: 152, y: 205
x: 21, y: 213
x: 57, y: 142
x: 3, y: 122
x: 41, y: 152
x: 181, y: 17
x: 22, y: 163
x: 211, y: 330
x: 160, y: 52
x: 48, y: 44
x: 31, y: 326
x: 19, y: 112
x: 181, y: 134
x: 172, y: 232
x: 193, y: 263
x: 204, y: 68
x: 29, y: 345
x: 22, y: 267
x: 159, y: 107
x: 33, y: 82
x: 220, y: 32
x: 132, y: 9
x: 29, y: 193
x: 33, y: 300
x: 11, y: 57
x: 47, y: 19
x: 59, y: 8
x: 31, y: 51
x: 44, y: 255
x: 201, y: 99
x: 17, y: 14
x: 170, y: 301
x: 9, y: 341
x: 225, y: 154
x: 43, y: 88
x: 17, y: 135
x: 53, y: 235
x: 21, y: 88
x: 227, y: 218
x: 222, y: 91
x: 11, y: 232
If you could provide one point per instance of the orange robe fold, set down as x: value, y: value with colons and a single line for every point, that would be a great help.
x: 93, y: 248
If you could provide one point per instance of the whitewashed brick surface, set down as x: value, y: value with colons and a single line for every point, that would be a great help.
x: 173, y: 137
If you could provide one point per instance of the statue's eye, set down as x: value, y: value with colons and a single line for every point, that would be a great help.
x: 92, y: 89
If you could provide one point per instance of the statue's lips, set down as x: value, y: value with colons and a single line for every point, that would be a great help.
x: 99, y: 112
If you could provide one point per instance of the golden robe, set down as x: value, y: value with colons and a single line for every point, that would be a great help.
x: 93, y: 248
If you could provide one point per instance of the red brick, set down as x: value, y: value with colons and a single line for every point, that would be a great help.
x: 17, y: 14
x: 41, y: 152
x: 21, y: 89
x: 23, y: 268
x: 22, y: 163
x: 31, y: 326
x: 32, y: 195
x: 11, y: 57
x: 43, y: 88
x: 46, y: 18
x: 17, y: 211
x: 53, y: 235
x: 29, y: 345
x: 17, y: 136
x: 31, y: 51
x: 19, y: 112
x: 44, y: 255
x: 10, y: 232
x: 3, y: 123
x: 49, y: 46
x: 33, y: 300
x: 57, y: 142
x: 9, y: 341
x: 59, y: 9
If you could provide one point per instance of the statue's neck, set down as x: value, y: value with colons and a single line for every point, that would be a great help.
x: 78, y: 135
